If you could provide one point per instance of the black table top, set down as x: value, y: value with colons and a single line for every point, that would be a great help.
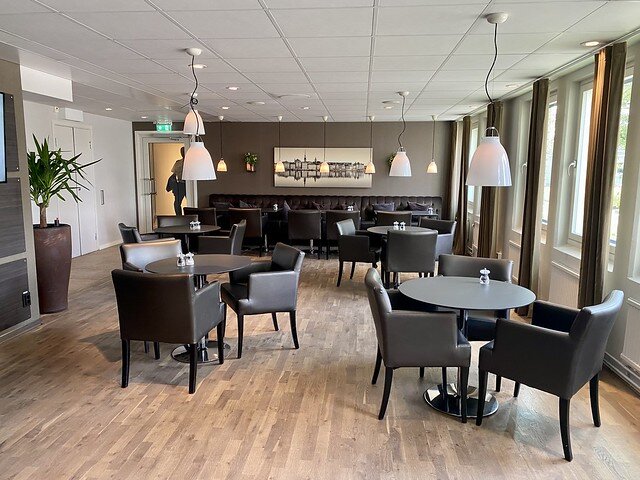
x: 466, y: 293
x: 383, y: 229
x: 209, y: 264
x: 186, y: 230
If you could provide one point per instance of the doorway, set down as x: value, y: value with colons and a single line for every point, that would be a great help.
x: 170, y: 193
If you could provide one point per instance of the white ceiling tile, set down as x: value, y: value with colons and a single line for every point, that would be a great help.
x: 249, y: 47
x: 225, y: 77
x: 570, y: 42
x: 284, y: 88
x: 93, y: 6
x: 331, y: 47
x: 620, y: 16
x: 341, y: 87
x: 183, y: 65
x: 335, y: 64
x: 393, y: 88
x: 165, y: 49
x: 182, y: 5
x: 400, y: 76
x: 160, y: 78
x: 409, y: 62
x: 405, y: 3
x: 467, y: 75
x: 22, y: 6
x: 479, y: 62
x: 507, y: 43
x: 329, y: 96
x: 428, y: 20
x: 140, y: 65
x: 254, y: 65
x: 544, y: 62
x: 278, y: 77
x: 416, y: 45
x: 318, y: 3
x: 226, y: 24
x: 326, y: 22
x: 339, y: 77
x: 133, y: 25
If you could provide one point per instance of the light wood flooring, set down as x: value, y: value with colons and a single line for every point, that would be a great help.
x: 278, y: 413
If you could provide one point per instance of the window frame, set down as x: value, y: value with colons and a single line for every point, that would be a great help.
x: 553, y: 99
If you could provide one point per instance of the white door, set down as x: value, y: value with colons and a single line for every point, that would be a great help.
x: 87, y: 208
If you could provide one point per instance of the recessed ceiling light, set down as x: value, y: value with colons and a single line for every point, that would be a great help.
x: 225, y: 108
x: 390, y: 102
x: 305, y: 108
x: 388, y: 107
x: 199, y: 66
x: 233, y: 88
x: 256, y: 102
x: 294, y: 95
x: 591, y: 43
x: 144, y: 117
x: 108, y: 109
x: 512, y: 85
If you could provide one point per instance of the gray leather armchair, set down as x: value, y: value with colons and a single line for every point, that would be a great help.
x: 256, y: 223
x: 354, y: 246
x: 175, y: 220
x: 331, y: 231
x: 167, y: 308
x: 231, y: 245
x: 387, y: 218
x: 409, y: 252
x: 306, y: 225
x: 446, y: 231
x: 558, y: 353
x: 131, y: 235
x: 266, y: 287
x: 136, y: 256
x: 408, y: 338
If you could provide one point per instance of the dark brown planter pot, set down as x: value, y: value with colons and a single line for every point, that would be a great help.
x: 53, y: 266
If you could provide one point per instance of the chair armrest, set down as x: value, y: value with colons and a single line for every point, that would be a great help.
x: 214, y: 245
x: 206, y: 307
x: 130, y: 267
x: 400, y: 301
x: 242, y: 275
x: 154, y: 237
x: 353, y: 244
x: 273, y: 291
x: 552, y: 316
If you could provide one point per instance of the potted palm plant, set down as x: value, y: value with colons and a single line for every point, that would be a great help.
x: 51, y: 175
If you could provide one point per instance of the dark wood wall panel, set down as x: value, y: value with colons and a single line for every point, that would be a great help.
x: 12, y: 224
x: 13, y: 282
x: 10, y: 134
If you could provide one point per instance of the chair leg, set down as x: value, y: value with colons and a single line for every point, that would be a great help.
x: 595, y: 403
x: 326, y: 245
x: 294, y: 329
x: 421, y: 372
x: 482, y: 393
x: 376, y: 369
x: 498, y: 383
x: 156, y: 350
x: 193, y: 367
x: 220, y: 341
x: 564, y: 429
x: 340, y: 272
x: 240, y: 332
x: 146, y: 347
x: 464, y: 382
x: 516, y: 389
x: 126, y: 360
x: 445, y: 388
x: 274, y: 317
x: 353, y: 269
x: 396, y: 279
x: 388, y: 379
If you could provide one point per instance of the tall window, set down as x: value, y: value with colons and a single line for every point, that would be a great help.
x: 552, y: 111
x: 520, y: 172
x: 620, y: 155
x: 473, y: 144
x: 578, y: 168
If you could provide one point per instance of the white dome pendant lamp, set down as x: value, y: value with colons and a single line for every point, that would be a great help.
x: 433, y: 166
x: 279, y: 165
x: 370, y: 168
x: 324, y: 166
x: 198, y: 164
x: 400, y: 166
x: 489, y: 165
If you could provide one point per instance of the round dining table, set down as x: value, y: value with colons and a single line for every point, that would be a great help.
x: 186, y: 231
x: 464, y: 294
x: 206, y: 264
x: 384, y: 229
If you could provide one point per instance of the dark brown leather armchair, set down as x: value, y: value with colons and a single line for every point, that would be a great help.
x: 331, y: 231
x: 266, y: 287
x: 409, y: 338
x: 255, y: 230
x: 387, y: 218
x: 409, y: 252
x: 175, y: 220
x: 306, y: 225
x: 446, y: 231
x: 354, y: 246
x: 167, y: 308
x: 131, y: 235
x: 136, y: 256
x: 558, y: 353
x: 231, y: 245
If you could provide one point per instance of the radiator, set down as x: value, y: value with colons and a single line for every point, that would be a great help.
x: 563, y: 285
x: 631, y: 350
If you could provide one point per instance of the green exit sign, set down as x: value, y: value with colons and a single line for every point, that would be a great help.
x: 164, y: 127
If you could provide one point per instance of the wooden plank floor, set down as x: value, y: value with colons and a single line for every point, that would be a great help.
x: 276, y: 413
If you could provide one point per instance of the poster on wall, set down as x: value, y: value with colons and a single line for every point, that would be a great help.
x: 302, y: 167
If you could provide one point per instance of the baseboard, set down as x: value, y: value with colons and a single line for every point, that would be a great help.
x: 110, y: 244
x: 624, y: 372
x: 19, y: 329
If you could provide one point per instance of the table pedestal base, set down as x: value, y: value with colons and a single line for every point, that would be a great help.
x: 450, y: 403
x: 207, y: 353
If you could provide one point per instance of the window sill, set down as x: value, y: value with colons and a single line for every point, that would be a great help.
x: 570, y: 250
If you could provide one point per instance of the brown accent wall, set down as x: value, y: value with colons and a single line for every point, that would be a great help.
x: 242, y: 137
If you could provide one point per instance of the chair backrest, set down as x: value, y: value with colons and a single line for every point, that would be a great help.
x: 332, y: 217
x: 286, y: 258
x: 346, y: 227
x: 139, y: 255
x: 305, y: 224
x: 461, y: 266
x: 443, y: 227
x: 129, y: 234
x: 253, y: 218
x: 156, y: 307
x: 175, y: 220
x: 206, y: 215
x: 409, y: 251
x: 591, y: 330
x: 237, y: 236
x: 387, y: 218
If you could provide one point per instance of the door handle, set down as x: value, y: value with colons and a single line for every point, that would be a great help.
x: 572, y: 165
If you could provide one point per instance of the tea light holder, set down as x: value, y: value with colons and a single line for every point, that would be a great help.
x: 396, y: 225
x: 402, y: 225
x: 484, y: 276
x: 188, y: 259
x: 181, y: 260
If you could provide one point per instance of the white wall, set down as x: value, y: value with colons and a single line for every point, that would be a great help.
x: 113, y: 143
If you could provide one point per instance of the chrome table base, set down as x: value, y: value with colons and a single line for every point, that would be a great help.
x: 449, y: 402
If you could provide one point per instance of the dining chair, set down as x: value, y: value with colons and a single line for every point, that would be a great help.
x: 387, y: 218
x: 408, y: 252
x: 411, y: 336
x: 255, y: 229
x: 166, y: 308
x: 132, y: 235
x: 332, y: 217
x: 446, y: 231
x: 306, y: 225
x: 175, y: 220
x: 206, y: 215
x: 230, y: 245
x: 558, y: 353
x: 354, y: 246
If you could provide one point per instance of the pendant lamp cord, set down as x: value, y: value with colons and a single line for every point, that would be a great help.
x: 433, y: 144
x: 404, y: 124
x: 324, y: 141
x: 194, y: 101
x: 371, y: 142
x: 221, y: 156
x: 493, y: 64
x: 279, y: 144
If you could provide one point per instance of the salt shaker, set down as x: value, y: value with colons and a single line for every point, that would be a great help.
x: 402, y: 225
x: 188, y: 259
x: 395, y: 225
x: 484, y: 276
x: 181, y: 260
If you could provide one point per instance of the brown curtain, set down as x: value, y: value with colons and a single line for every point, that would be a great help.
x: 450, y: 201
x: 488, y: 231
x: 460, y: 241
x: 530, y: 237
x: 603, y: 138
